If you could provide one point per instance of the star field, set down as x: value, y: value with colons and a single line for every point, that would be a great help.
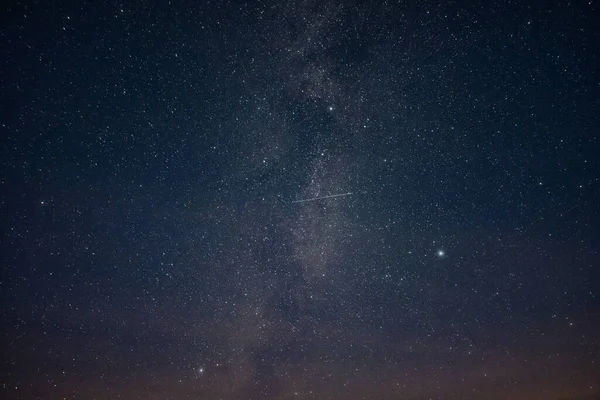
x: 300, y: 200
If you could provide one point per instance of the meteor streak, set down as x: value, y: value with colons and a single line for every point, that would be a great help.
x: 322, y: 197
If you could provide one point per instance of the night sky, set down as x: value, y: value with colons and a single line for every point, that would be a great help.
x: 305, y: 199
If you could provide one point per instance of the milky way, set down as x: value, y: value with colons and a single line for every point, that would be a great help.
x: 300, y: 199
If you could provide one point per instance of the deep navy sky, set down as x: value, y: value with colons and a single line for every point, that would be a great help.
x: 152, y: 159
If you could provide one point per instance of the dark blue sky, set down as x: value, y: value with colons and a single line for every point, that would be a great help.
x: 151, y: 155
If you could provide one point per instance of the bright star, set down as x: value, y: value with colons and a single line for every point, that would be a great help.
x: 441, y: 253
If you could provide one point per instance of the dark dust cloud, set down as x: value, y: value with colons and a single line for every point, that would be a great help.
x: 152, y: 156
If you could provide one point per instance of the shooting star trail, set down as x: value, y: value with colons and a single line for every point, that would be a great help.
x: 322, y: 197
